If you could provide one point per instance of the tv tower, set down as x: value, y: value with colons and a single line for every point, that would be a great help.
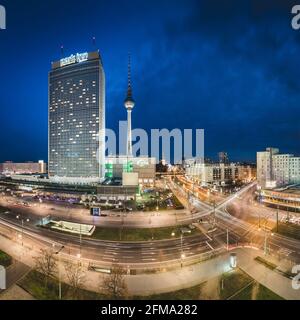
x: 129, y: 105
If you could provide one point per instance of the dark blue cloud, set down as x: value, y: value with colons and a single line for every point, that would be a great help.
x: 230, y: 67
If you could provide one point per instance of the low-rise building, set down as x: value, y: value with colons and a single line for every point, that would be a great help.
x: 282, y: 198
x: 145, y: 168
x: 11, y: 168
x: 219, y: 173
x: 275, y: 169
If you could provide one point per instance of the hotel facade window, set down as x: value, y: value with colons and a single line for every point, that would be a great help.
x: 77, y: 119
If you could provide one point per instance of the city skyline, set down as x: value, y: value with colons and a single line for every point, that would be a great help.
x: 149, y: 152
x: 211, y: 75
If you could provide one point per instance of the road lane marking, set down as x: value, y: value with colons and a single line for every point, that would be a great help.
x: 209, y: 246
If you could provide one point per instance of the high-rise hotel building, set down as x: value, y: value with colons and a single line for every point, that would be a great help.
x: 77, y: 119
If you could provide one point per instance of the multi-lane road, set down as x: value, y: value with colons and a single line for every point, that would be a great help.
x: 113, y: 251
x: 242, y: 207
x: 228, y: 227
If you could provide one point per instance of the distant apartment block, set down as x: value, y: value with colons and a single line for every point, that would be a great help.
x: 10, y: 168
x: 223, y: 157
x: 219, y: 173
x: 275, y: 169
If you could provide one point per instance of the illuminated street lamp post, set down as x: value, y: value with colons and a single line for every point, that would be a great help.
x: 59, y: 272
x: 227, y: 239
x: 214, y: 214
x: 267, y: 233
x: 80, y: 241
x: 260, y: 196
x: 182, y: 255
x: 277, y: 217
x: 22, y: 224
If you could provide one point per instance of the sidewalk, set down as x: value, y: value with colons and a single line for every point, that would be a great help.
x: 178, y: 279
x: 268, y: 278
x: 196, y: 274
x: 15, y: 272
x: 15, y: 293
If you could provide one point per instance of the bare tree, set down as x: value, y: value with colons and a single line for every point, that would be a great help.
x: 46, y: 264
x: 114, y: 284
x: 76, y: 278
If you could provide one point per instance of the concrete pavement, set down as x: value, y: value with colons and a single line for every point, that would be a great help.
x: 15, y: 293
x: 274, y: 281
x: 196, y: 274
x: 14, y: 273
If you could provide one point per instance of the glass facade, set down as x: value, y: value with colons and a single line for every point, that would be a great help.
x: 77, y: 119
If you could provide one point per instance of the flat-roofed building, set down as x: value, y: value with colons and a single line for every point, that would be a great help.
x: 275, y: 169
x: 11, y: 168
x: 145, y: 167
x: 77, y: 119
x: 219, y: 173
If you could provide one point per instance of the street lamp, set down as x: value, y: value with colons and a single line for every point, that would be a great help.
x: 59, y: 271
x: 182, y: 256
x: 80, y: 241
x: 22, y: 224
x: 277, y: 218
x: 214, y: 213
x: 267, y: 233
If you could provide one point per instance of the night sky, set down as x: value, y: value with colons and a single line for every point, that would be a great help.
x: 231, y: 67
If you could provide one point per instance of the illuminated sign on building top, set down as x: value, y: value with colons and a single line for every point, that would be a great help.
x: 79, y: 57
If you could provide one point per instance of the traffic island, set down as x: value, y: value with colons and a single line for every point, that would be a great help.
x: 71, y: 227
x: 123, y: 234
